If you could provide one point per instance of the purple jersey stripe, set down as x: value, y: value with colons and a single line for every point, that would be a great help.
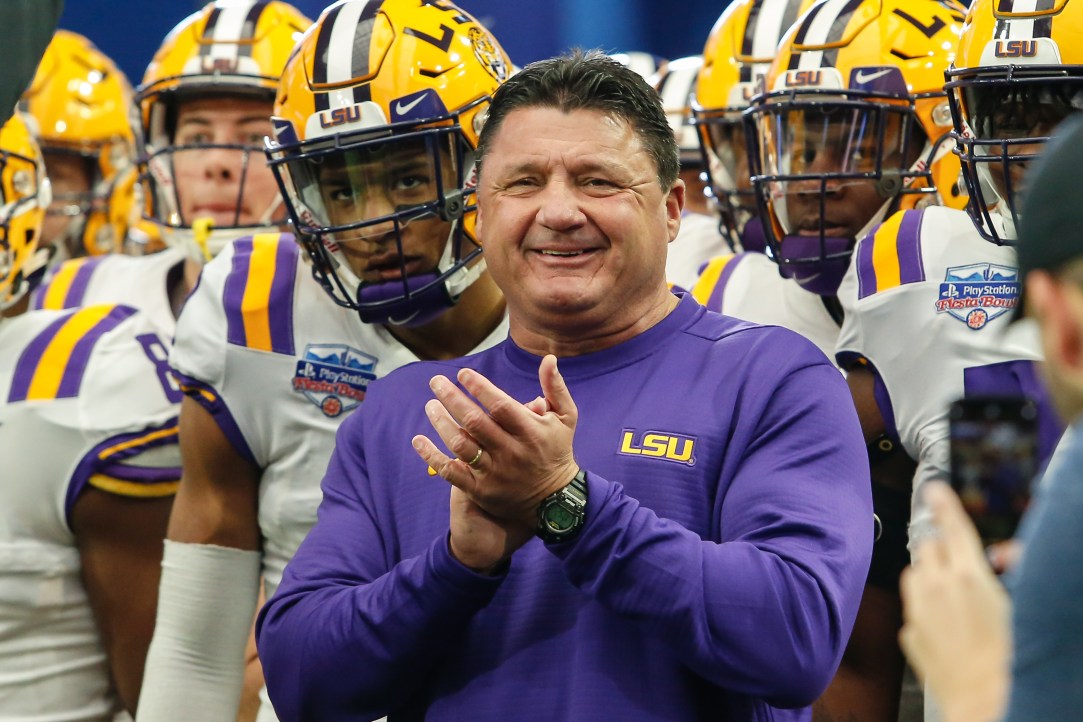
x: 142, y: 474
x: 723, y: 279
x: 77, y: 290
x: 908, y: 244
x: 234, y: 291
x: 206, y: 396
x: 30, y: 357
x: 280, y: 303
x: 866, y: 272
x: 92, y: 462
x: 80, y: 355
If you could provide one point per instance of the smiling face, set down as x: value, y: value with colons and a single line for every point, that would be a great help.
x: 230, y: 185
x: 575, y: 224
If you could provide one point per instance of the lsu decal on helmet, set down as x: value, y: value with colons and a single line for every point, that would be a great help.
x: 81, y: 103
x: 376, y: 123
x: 737, y: 55
x: 1017, y: 74
x: 853, y: 125
x: 24, y: 196
x: 207, y: 182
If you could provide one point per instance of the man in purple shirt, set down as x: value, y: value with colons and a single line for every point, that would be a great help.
x: 675, y: 525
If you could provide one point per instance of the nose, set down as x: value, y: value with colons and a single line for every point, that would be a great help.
x: 223, y: 163
x: 559, y: 209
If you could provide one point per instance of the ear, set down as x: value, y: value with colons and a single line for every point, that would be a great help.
x: 674, y: 208
x: 1058, y: 307
x: 477, y: 219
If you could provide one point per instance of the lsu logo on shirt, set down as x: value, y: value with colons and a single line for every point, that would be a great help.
x: 978, y: 293
x: 658, y: 445
x: 334, y: 377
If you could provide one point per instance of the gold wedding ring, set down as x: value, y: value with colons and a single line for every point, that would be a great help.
x: 477, y: 457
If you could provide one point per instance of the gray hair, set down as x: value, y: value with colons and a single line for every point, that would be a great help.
x: 588, y: 80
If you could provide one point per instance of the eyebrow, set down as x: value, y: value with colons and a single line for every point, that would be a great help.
x: 201, y: 119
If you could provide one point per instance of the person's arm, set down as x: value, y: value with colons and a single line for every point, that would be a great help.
x: 957, y: 631
x: 120, y: 548
x: 340, y: 606
x: 210, y: 576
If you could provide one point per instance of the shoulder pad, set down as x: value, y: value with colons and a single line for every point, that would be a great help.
x: 890, y: 256
x: 53, y: 363
x: 66, y: 286
x: 712, y: 281
x: 258, y: 294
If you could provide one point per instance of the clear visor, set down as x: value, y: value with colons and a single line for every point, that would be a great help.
x: 843, y: 140
x: 362, y: 190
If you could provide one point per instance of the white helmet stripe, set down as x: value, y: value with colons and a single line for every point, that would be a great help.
x: 228, y: 27
x: 341, y: 48
x: 774, y: 18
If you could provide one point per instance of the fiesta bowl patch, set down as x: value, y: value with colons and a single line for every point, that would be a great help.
x: 978, y: 293
x: 334, y: 377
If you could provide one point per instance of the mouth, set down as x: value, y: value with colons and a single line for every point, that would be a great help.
x: 221, y: 214
x: 828, y: 228
x: 388, y: 267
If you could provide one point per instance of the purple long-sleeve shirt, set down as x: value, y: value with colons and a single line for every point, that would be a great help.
x: 728, y: 535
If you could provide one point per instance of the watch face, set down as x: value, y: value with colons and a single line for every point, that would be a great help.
x: 559, y: 519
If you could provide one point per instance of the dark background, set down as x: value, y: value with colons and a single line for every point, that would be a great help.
x: 129, y: 31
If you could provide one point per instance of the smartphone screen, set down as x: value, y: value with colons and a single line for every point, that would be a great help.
x: 994, y: 459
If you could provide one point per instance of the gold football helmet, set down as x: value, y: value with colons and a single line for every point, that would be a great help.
x: 738, y: 53
x: 853, y: 125
x: 232, y: 48
x: 81, y: 103
x: 374, y: 144
x: 1017, y: 74
x: 24, y: 196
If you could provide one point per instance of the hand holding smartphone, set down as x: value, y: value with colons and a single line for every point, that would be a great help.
x: 994, y: 460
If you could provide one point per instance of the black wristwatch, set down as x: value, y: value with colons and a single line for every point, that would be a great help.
x: 563, y: 513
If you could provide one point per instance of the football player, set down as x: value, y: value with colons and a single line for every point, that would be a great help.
x: 81, y: 102
x: 205, y: 106
x: 852, y: 125
x: 930, y: 292
x: 376, y: 121
x: 88, y: 431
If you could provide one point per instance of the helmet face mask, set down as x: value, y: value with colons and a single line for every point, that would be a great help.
x: 850, y: 128
x: 383, y: 214
x: 374, y: 154
x: 1018, y: 73
x: 24, y: 195
x: 205, y: 106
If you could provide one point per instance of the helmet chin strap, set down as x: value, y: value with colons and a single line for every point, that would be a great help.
x: 265, y: 219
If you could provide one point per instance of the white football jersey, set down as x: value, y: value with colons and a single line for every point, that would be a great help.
x: 748, y: 286
x: 279, y: 365
x: 85, y: 401
x: 697, y: 242
x: 927, y: 304
x: 136, y: 281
